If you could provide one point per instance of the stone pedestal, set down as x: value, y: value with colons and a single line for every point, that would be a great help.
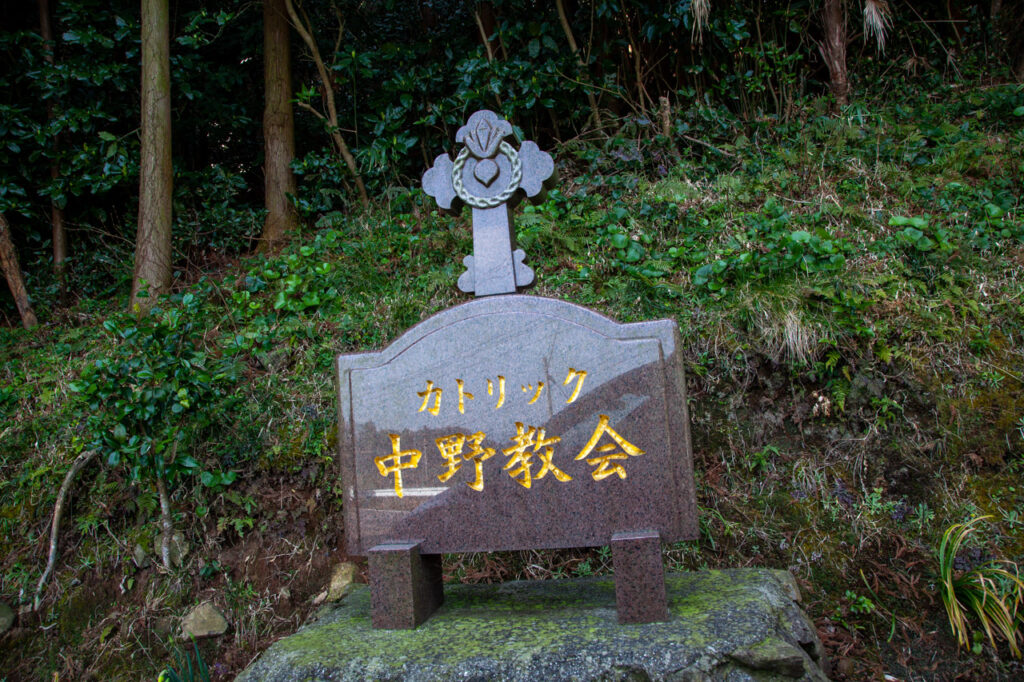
x: 405, y: 586
x: 639, y: 577
x: 722, y: 625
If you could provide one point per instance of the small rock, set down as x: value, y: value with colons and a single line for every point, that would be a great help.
x: 272, y: 361
x: 319, y: 599
x: 6, y: 617
x: 204, y: 621
x: 342, y: 577
x: 163, y: 627
x: 772, y: 655
x: 179, y: 549
x: 139, y: 556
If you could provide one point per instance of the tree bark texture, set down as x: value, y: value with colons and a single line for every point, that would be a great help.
x: 153, y: 236
x: 12, y: 271
x: 833, y: 50
x: 278, y: 126
x: 59, y: 235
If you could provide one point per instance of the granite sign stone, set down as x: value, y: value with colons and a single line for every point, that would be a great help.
x: 511, y: 421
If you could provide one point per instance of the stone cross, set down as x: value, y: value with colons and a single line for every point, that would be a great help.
x: 487, y: 174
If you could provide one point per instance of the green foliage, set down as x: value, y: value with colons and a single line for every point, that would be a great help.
x: 188, y: 670
x: 84, y: 89
x: 155, y: 391
x: 209, y: 214
x: 992, y: 592
x: 769, y: 248
x: 302, y: 282
x: 404, y: 80
x: 759, y: 460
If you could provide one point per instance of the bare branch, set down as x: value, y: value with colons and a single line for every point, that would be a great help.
x: 58, y: 511
x: 304, y: 29
x: 310, y: 109
x: 341, y: 27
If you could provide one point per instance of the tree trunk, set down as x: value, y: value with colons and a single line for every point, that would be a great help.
x: 60, y: 243
x: 278, y: 127
x: 642, y: 96
x: 152, y: 274
x: 833, y: 49
x: 12, y: 271
x: 166, y: 523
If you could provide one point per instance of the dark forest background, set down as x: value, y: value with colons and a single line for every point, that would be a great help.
x: 403, y: 76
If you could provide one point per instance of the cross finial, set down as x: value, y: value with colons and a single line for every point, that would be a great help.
x: 488, y: 174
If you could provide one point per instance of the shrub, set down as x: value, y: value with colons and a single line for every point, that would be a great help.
x: 153, y: 393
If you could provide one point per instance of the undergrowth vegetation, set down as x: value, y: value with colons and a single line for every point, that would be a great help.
x: 848, y: 292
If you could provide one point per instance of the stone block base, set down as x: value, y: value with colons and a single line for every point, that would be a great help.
x: 405, y: 586
x: 734, y: 625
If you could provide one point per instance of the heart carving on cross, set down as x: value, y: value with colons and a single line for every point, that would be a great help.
x: 491, y: 176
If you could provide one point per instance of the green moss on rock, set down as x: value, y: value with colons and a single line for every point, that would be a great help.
x: 722, y: 623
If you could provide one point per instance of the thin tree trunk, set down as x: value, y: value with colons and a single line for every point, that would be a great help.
x: 484, y: 35
x: 485, y: 13
x: 165, y: 522
x: 60, y: 243
x: 152, y: 274
x: 305, y: 32
x: 12, y: 271
x: 571, y: 39
x: 278, y: 127
x: 490, y: 50
x: 642, y: 96
x: 833, y: 49
x: 665, y: 116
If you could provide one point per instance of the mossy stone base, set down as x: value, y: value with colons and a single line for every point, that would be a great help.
x: 723, y: 625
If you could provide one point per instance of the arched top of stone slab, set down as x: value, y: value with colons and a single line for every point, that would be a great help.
x: 663, y: 330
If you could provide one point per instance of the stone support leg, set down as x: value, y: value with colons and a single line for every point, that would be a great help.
x: 639, y: 577
x: 405, y: 586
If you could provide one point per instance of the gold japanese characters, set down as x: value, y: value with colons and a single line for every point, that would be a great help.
x: 432, y: 394
x: 529, y: 458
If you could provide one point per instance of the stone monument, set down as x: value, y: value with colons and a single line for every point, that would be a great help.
x: 512, y: 422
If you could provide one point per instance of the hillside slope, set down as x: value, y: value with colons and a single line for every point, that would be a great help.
x: 849, y: 294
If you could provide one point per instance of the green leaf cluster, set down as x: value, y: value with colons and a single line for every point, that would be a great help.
x: 155, y: 391
x: 768, y: 248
